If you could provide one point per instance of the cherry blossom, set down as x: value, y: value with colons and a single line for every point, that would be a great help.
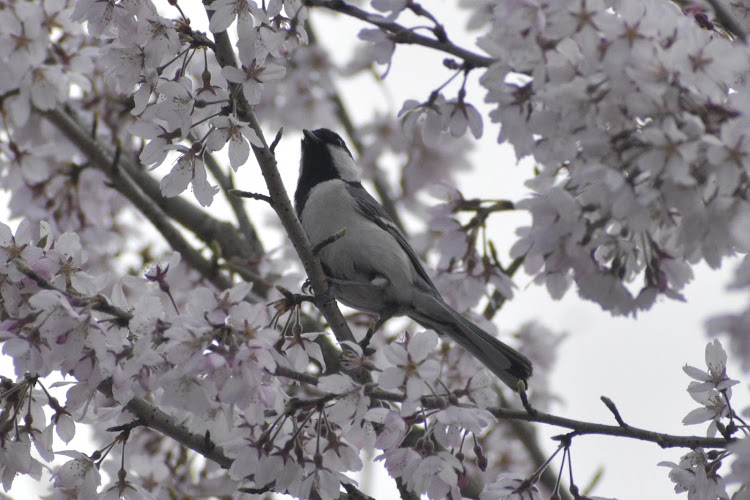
x: 696, y: 476
x: 252, y: 77
x: 188, y: 169
x: 412, y: 367
x: 156, y: 324
x: 229, y: 129
x: 716, y: 376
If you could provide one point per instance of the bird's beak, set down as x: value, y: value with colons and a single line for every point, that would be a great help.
x: 308, y: 134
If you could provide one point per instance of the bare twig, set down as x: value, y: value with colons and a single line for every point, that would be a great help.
x: 334, y: 237
x: 253, y: 196
x: 276, y: 140
x: 581, y: 428
x: 401, y: 34
x: 611, y: 406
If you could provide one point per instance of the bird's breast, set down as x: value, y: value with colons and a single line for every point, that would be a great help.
x: 366, y: 252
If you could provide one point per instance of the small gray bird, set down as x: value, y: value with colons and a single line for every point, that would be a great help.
x: 373, y: 268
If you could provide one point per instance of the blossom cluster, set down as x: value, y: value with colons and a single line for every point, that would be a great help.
x: 636, y: 116
x: 215, y: 360
x: 698, y: 471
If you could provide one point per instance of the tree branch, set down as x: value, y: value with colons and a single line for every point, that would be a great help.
x: 156, y: 419
x: 578, y: 427
x: 400, y: 34
x: 97, y: 303
x: 581, y: 428
x: 124, y: 184
x: 281, y: 203
x: 206, y: 228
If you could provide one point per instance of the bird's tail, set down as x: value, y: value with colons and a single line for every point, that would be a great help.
x: 502, y: 360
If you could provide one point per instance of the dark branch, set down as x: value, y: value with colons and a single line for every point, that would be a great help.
x: 400, y: 34
x: 133, y: 181
x: 281, y: 203
x: 134, y: 190
x: 583, y: 428
x: 611, y: 406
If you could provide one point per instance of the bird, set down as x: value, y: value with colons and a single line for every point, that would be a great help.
x: 370, y: 264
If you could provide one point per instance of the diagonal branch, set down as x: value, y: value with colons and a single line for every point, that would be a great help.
x: 282, y: 205
x: 125, y: 185
x: 401, y: 34
x: 206, y: 228
x: 581, y: 428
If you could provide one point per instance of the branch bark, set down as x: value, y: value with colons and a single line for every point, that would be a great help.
x: 282, y: 205
x: 123, y: 182
x: 401, y: 34
x: 581, y: 428
x: 145, y: 194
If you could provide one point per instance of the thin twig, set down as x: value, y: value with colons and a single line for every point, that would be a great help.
x: 581, y: 428
x: 402, y: 34
x: 276, y: 140
x: 611, y: 406
x: 334, y: 237
x: 249, y: 194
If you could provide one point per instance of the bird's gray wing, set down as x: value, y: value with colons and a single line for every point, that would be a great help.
x: 373, y: 211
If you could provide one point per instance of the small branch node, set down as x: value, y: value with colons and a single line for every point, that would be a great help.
x: 611, y: 406
x: 525, y: 398
x: 247, y: 194
x: 276, y: 140
x: 337, y: 236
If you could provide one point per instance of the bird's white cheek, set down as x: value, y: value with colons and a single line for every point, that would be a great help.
x: 345, y: 165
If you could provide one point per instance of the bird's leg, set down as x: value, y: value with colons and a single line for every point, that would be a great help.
x: 374, y: 327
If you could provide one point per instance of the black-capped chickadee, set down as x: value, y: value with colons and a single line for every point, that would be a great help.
x: 372, y: 267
